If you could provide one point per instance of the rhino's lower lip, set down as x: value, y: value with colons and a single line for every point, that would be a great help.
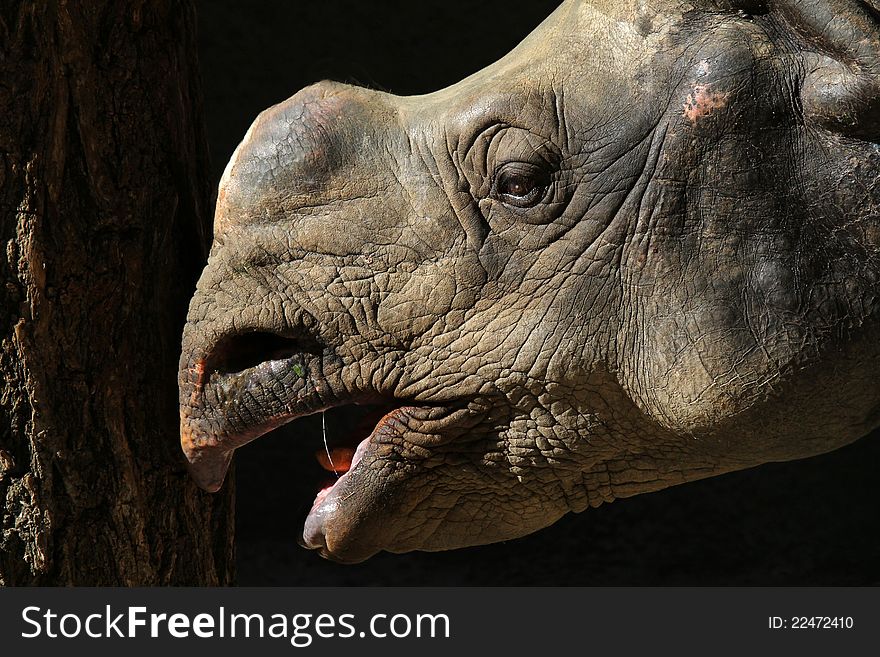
x: 344, y: 502
x: 345, y: 523
x: 326, y: 504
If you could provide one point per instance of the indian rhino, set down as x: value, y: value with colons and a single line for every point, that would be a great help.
x: 641, y: 249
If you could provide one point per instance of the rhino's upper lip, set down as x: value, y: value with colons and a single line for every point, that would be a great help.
x: 225, y: 410
x: 228, y: 410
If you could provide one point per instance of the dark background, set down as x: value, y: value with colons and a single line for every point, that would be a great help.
x: 808, y: 522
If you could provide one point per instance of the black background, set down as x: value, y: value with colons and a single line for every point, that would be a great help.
x: 808, y: 522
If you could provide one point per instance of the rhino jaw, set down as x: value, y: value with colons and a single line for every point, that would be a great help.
x: 235, y: 395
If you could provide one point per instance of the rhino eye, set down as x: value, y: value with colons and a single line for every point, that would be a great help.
x: 520, y: 184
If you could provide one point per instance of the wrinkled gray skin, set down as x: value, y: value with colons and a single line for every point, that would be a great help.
x: 641, y: 249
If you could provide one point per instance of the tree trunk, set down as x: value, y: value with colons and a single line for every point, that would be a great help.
x: 104, y: 217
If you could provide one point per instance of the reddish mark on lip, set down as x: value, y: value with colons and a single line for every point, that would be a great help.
x: 197, y: 372
x: 703, y: 102
x: 338, y: 461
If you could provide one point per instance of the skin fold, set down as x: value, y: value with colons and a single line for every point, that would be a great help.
x: 641, y: 249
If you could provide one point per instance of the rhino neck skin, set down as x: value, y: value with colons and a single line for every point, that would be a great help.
x: 634, y: 252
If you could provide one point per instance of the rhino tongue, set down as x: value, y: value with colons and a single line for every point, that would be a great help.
x: 345, y: 428
x: 337, y: 460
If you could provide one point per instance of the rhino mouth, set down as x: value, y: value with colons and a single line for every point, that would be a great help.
x: 252, y: 384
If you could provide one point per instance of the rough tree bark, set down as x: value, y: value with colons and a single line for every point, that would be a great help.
x: 104, y: 217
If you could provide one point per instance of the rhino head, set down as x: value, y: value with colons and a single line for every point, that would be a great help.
x: 641, y: 249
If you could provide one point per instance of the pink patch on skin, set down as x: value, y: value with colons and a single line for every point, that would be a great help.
x: 702, y: 102
x: 322, y: 494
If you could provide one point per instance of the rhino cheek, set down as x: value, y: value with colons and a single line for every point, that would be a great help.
x: 426, y: 297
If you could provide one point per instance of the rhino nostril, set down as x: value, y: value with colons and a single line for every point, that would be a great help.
x: 237, y: 353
